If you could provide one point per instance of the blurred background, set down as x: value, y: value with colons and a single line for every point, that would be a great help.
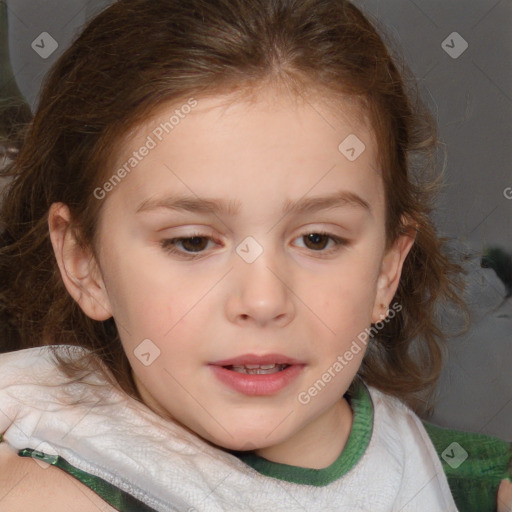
x: 460, y: 53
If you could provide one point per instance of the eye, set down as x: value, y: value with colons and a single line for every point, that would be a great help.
x: 318, y: 241
x: 193, y: 245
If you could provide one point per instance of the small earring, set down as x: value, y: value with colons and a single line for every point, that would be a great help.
x: 385, y: 315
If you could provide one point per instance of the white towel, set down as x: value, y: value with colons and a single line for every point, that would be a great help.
x: 112, y: 436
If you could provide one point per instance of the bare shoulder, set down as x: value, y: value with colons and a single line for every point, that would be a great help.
x: 26, y: 485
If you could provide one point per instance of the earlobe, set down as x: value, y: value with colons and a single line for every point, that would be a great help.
x: 78, y: 267
x: 391, y: 271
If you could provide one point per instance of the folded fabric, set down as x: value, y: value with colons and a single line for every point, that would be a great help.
x: 101, y: 432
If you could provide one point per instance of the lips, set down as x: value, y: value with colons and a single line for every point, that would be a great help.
x: 255, y: 375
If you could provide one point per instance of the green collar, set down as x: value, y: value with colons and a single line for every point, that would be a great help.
x: 360, y: 401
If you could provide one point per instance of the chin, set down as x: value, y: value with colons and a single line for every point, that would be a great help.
x: 244, y: 442
x: 243, y: 445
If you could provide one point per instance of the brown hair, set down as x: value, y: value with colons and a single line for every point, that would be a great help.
x: 138, y: 54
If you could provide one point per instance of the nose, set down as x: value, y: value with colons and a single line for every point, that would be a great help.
x: 261, y: 293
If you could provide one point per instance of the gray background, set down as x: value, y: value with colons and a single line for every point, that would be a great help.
x: 471, y: 96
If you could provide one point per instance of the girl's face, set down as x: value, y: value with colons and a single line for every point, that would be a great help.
x: 215, y: 266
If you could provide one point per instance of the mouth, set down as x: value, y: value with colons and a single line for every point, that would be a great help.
x: 257, y: 375
x: 252, y: 364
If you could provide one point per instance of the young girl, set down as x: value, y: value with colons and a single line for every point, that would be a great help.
x: 219, y: 275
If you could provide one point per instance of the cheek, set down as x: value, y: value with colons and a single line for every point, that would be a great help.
x: 152, y: 302
x: 138, y: 292
x: 348, y: 295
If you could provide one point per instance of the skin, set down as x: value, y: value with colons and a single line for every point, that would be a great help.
x: 305, y: 301
x: 505, y: 496
x: 26, y: 485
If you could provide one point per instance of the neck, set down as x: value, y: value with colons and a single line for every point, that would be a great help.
x: 318, y: 444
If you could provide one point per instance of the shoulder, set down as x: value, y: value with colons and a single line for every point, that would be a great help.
x: 399, y: 430
x: 26, y: 485
x: 391, y: 409
x: 402, y: 440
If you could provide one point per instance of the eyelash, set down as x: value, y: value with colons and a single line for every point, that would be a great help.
x: 169, y: 244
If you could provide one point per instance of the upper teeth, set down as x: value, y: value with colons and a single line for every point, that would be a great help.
x: 258, y: 369
x: 262, y: 366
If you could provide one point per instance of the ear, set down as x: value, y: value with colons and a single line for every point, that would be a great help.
x: 77, y: 265
x: 391, y: 271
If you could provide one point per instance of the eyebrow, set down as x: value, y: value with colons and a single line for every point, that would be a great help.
x: 195, y: 204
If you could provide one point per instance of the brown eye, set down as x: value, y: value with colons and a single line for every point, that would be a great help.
x: 195, y: 243
x: 189, y: 246
x: 321, y: 244
x: 316, y: 241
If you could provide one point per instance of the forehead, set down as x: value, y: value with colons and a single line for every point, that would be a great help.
x: 338, y: 112
x: 265, y: 138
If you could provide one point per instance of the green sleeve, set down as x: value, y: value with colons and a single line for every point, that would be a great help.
x: 474, y: 468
